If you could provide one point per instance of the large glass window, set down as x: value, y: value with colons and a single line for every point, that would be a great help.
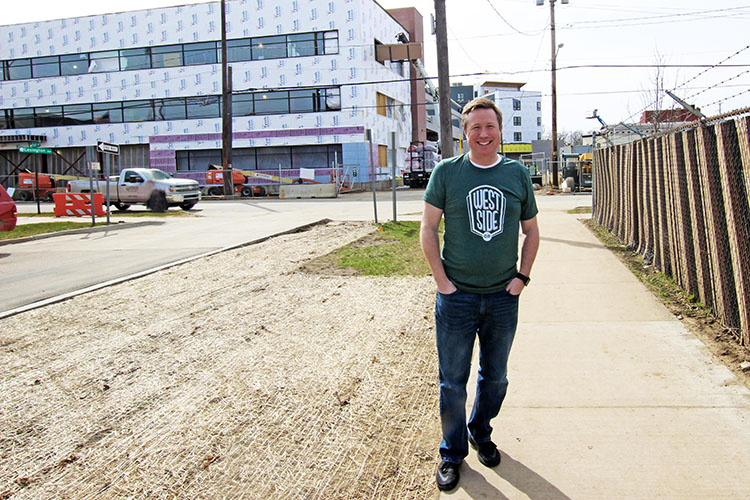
x: 78, y: 114
x: 268, y: 47
x: 167, y: 56
x: 48, y: 116
x: 108, y: 112
x: 135, y: 59
x: 170, y: 109
x: 23, y: 118
x: 267, y: 103
x: 104, y: 61
x: 310, y: 157
x: 304, y: 101
x: 242, y: 105
x: 516, y: 104
x: 203, y: 107
x: 274, y: 158
x: 74, y: 64
x: 42, y: 67
x: 137, y: 111
x: 19, y: 69
x: 238, y: 50
x: 305, y: 44
x: 244, y: 159
x: 201, y: 53
x: 516, y: 121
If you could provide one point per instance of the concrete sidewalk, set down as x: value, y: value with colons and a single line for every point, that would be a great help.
x: 610, y: 396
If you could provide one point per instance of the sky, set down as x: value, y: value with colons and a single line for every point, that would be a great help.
x: 613, y: 52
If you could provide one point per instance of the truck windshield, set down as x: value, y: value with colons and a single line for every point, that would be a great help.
x: 156, y: 175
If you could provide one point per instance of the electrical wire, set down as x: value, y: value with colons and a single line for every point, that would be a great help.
x: 506, y: 22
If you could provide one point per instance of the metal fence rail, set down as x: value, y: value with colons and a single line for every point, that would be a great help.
x: 682, y: 201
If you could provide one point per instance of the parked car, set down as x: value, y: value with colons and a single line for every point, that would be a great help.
x: 7, y: 211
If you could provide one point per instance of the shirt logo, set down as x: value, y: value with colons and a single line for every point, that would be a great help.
x: 486, y: 211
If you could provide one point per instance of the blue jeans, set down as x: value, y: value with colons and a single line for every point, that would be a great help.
x: 459, y: 318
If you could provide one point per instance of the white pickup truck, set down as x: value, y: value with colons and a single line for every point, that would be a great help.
x: 154, y: 188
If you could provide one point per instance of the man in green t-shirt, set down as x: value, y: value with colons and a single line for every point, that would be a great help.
x: 484, y: 198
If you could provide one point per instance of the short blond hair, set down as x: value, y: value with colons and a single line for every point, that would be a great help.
x: 480, y: 103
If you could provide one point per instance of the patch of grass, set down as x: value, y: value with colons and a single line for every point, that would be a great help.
x: 391, y: 250
x: 24, y: 230
x: 580, y: 210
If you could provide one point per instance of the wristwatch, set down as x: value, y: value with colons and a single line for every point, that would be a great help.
x: 523, y: 278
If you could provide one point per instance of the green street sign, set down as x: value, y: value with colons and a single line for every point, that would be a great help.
x: 35, y: 144
x: 44, y: 151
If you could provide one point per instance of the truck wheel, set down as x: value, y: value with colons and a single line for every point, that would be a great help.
x: 214, y: 191
x: 122, y: 206
x: 24, y: 195
x: 157, y: 202
x: 261, y: 191
x: 246, y: 191
x: 187, y: 205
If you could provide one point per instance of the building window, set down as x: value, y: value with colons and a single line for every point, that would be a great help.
x: 167, y: 56
x: 516, y: 104
x: 516, y: 121
x: 238, y: 50
x: 42, y: 67
x: 179, y: 108
x: 460, y: 97
x: 539, y: 105
x: 202, y: 53
x: 170, y: 109
x: 164, y: 56
x: 517, y: 137
x: 74, y: 64
x: 137, y: 111
x: 131, y: 59
x: 268, y: 47
x: 539, y: 136
x: 272, y: 103
x: 538, y: 121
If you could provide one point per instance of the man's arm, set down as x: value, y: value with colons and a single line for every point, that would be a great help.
x: 428, y: 237
x: 530, y: 246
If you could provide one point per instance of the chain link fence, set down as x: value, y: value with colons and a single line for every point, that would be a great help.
x: 681, y: 200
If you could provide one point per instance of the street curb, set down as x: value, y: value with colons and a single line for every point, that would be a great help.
x: 140, y: 274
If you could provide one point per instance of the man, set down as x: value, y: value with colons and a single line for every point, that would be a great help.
x: 484, y: 197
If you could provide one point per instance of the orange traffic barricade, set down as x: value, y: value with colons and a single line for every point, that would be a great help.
x: 78, y: 204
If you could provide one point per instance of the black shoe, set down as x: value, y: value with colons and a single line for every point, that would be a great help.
x: 486, y: 452
x: 448, y: 476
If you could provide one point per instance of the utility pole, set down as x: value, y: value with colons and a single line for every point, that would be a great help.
x: 226, y: 108
x: 554, y: 86
x: 444, y: 84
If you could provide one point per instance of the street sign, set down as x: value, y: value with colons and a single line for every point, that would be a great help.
x: 105, y: 147
x: 95, y: 165
x: 35, y: 144
x: 44, y: 151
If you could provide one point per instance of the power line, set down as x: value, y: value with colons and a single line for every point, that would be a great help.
x: 506, y: 22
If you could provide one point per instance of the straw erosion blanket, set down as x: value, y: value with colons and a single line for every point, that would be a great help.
x: 234, y: 376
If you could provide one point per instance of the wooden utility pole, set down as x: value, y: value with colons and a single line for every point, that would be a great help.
x: 554, y: 93
x: 226, y: 108
x: 444, y: 84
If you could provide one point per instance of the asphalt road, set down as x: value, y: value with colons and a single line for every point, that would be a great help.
x: 47, y: 269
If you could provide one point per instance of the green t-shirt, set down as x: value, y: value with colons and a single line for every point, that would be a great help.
x: 483, y: 208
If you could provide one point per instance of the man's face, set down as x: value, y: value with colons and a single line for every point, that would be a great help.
x: 482, y: 132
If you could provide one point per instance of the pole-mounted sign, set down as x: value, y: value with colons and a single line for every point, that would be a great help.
x: 105, y: 147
